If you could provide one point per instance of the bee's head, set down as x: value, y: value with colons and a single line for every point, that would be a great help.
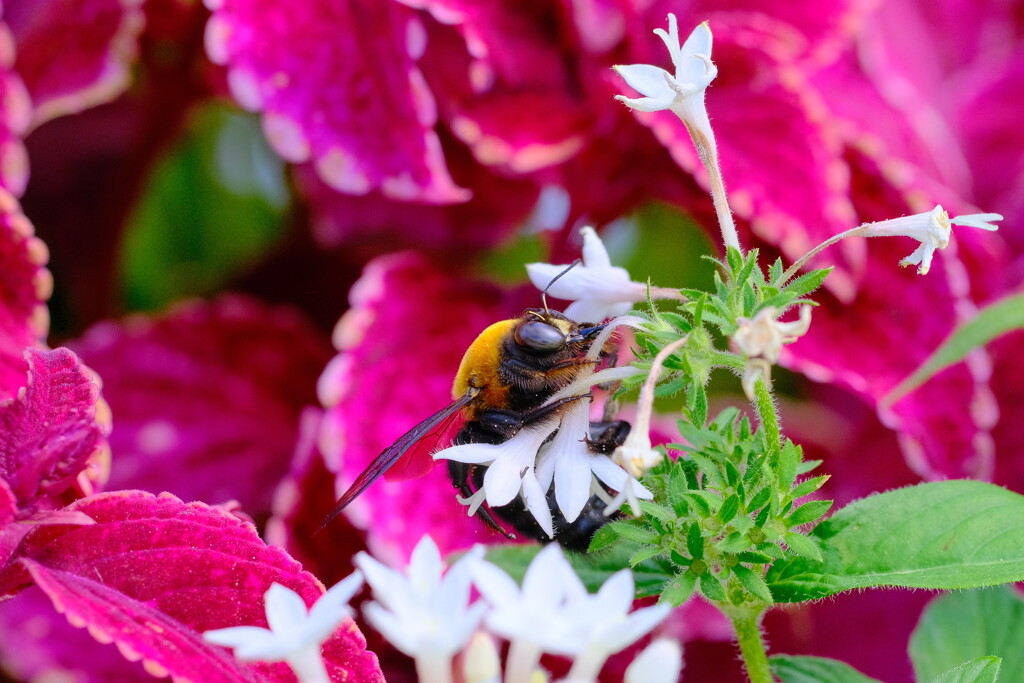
x: 545, y: 331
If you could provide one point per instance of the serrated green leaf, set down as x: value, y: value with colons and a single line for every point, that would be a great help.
x: 796, y: 669
x: 809, y: 512
x: 677, y: 321
x: 802, y: 545
x: 809, y: 486
x: 754, y: 583
x: 734, y: 543
x: 754, y: 558
x: 671, y: 387
x: 711, y: 587
x: 634, y: 533
x: 957, y: 627
x: 698, y: 404
x: 941, y: 535
x: 808, y: 282
x: 980, y: 670
x: 644, y: 554
x: 771, y: 550
x: 775, y: 270
x: 729, y: 509
x: 679, y: 589
x: 991, y: 322
x: 734, y: 258
x: 695, y: 541
x: 807, y: 466
x: 603, y: 538
x: 698, y: 311
x: 659, y: 512
x: 789, y: 458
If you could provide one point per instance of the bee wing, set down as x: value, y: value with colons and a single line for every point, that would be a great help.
x: 392, y: 453
x: 418, y: 460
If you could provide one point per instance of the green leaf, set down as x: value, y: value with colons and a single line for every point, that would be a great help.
x: 698, y: 404
x: 796, y: 669
x: 808, y: 282
x: 711, y: 587
x: 802, y: 546
x: 788, y: 460
x: 604, y: 538
x: 949, y: 534
x: 679, y: 589
x: 775, y: 270
x: 644, y: 554
x: 808, y: 486
x: 992, y: 321
x: 759, y: 499
x: 659, y: 512
x: 980, y: 670
x: 633, y: 532
x: 729, y: 509
x: 734, y: 543
x: 808, y: 512
x: 695, y: 541
x: 957, y: 627
x: 753, y: 582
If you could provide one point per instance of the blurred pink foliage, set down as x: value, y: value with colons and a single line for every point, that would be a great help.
x: 423, y: 133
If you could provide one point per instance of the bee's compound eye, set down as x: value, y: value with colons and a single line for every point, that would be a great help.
x: 540, y: 336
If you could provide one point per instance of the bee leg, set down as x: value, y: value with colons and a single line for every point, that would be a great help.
x: 461, y: 475
x: 503, y: 423
x: 543, y: 411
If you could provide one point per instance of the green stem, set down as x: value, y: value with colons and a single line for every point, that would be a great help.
x: 747, y: 622
x: 769, y: 419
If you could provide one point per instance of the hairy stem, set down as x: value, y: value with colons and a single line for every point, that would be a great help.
x: 747, y: 622
x: 769, y: 418
x: 795, y: 268
x: 708, y: 153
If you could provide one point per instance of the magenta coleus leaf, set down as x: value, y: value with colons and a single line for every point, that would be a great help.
x: 25, y: 286
x: 49, y: 430
x: 338, y: 84
x: 207, y: 397
x: 15, y: 118
x: 381, y: 384
x: 153, y: 573
x: 98, y: 41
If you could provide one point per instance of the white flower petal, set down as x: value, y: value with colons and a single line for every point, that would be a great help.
x: 399, y: 632
x: 594, y: 253
x: 336, y: 600
x: 425, y: 564
x: 494, y: 584
x: 470, y: 453
x: 616, y: 594
x: 983, y: 221
x: 390, y: 588
x: 286, y: 611
x: 660, y: 662
x: 696, y: 67
x: 648, y: 80
x: 647, y: 104
x: 237, y: 636
x: 595, y: 311
x: 537, y: 503
x: 634, y: 627
x: 542, y: 583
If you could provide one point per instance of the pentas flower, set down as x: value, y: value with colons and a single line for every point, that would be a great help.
x: 761, y: 339
x: 660, y: 662
x: 424, y: 614
x: 295, y: 634
x: 932, y: 229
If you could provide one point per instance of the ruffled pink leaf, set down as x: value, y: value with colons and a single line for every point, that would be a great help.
x: 338, y: 84
x: 15, y: 117
x: 207, y: 397
x: 153, y: 573
x: 400, y: 346
x: 49, y: 430
x: 98, y: 41
x: 25, y: 286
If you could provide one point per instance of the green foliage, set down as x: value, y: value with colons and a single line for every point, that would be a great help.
x: 970, y: 625
x: 212, y: 208
x: 980, y: 670
x: 793, y: 669
x: 950, y: 534
x: 992, y: 321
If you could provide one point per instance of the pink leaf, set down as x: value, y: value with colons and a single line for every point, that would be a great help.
x: 338, y: 84
x: 98, y: 41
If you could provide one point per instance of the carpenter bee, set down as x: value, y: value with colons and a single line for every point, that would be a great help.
x: 502, y: 385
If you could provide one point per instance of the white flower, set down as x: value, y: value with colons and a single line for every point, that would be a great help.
x: 295, y: 634
x: 597, y: 289
x: 660, y: 662
x: 682, y: 92
x: 480, y: 662
x: 932, y: 229
x: 761, y: 339
x: 611, y: 625
x: 510, y: 470
x: 425, y: 615
x: 572, y: 465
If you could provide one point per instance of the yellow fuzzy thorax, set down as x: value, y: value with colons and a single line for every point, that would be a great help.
x: 479, y: 367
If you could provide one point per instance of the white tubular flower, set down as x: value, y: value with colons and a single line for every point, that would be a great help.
x: 427, y: 617
x: 931, y: 229
x: 295, y: 634
x: 535, y: 618
x: 660, y: 662
x: 510, y: 470
x: 480, y: 662
x: 597, y: 289
x: 569, y: 462
x: 761, y: 339
x: 612, y: 626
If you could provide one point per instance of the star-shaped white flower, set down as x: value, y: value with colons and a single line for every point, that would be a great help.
x: 761, y: 339
x: 295, y: 634
x: 932, y: 229
x: 597, y: 289
x: 682, y: 91
x: 425, y: 612
x: 510, y: 471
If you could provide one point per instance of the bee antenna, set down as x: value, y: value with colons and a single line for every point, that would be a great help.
x: 544, y: 294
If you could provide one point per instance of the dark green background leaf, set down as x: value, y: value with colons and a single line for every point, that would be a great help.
x: 961, y: 626
x: 980, y: 670
x: 793, y: 669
